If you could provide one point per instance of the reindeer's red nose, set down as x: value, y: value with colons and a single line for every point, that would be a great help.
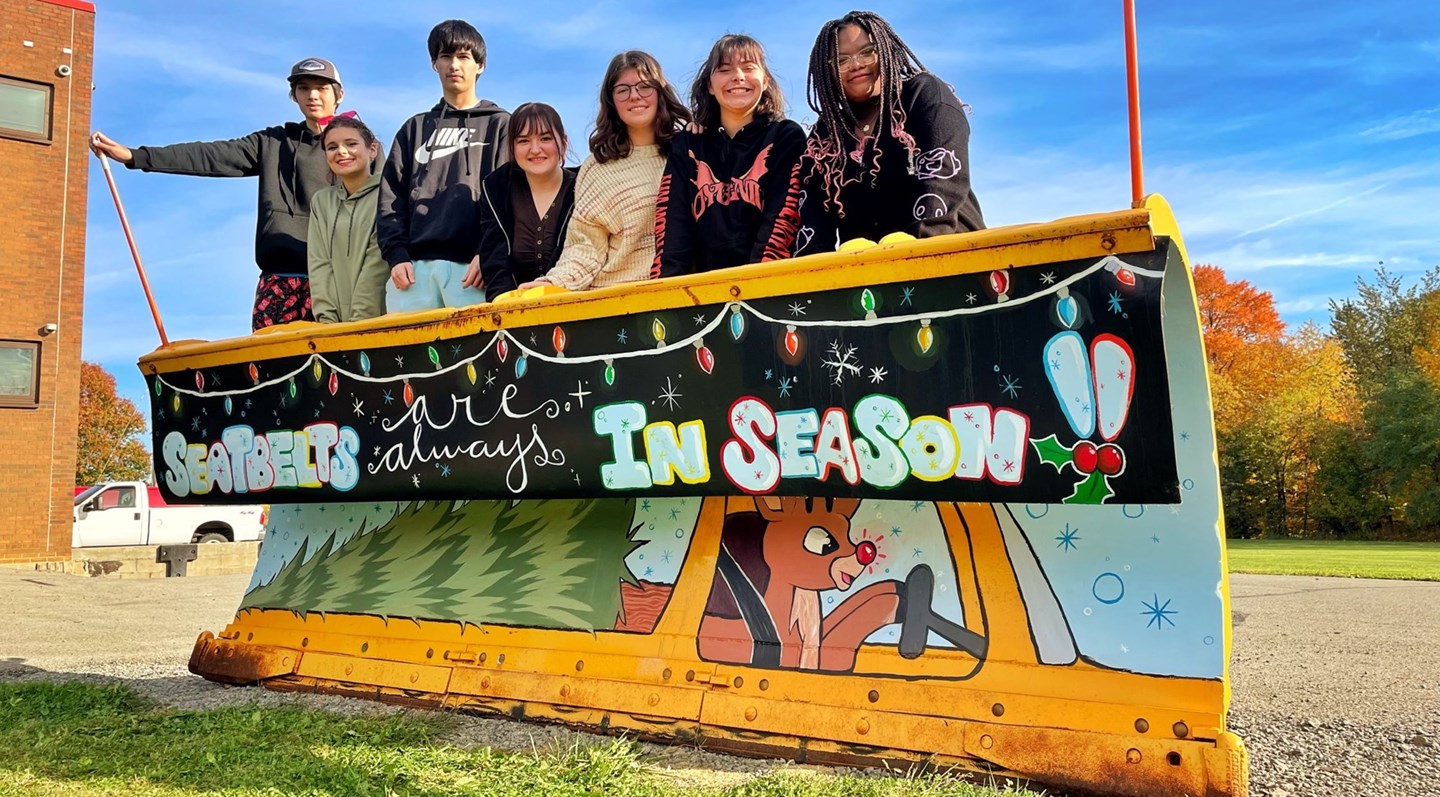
x: 865, y: 552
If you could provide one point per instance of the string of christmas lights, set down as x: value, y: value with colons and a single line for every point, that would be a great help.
x: 732, y: 313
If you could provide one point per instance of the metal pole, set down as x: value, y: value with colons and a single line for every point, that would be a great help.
x: 1132, y: 77
x: 134, y: 252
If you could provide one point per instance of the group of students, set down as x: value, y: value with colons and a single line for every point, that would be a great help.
x: 473, y: 202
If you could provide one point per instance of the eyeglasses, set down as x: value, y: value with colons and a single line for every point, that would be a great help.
x: 644, y: 88
x: 865, y: 57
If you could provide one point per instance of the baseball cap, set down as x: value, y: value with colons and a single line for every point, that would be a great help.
x: 315, y: 67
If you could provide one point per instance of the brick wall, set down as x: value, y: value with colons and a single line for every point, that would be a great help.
x: 42, y: 247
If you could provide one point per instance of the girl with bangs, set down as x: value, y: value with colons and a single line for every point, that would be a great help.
x: 890, y: 151
x: 724, y: 194
x: 611, y: 237
x: 525, y: 205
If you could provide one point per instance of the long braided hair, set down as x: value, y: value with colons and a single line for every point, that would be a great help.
x: 828, y: 145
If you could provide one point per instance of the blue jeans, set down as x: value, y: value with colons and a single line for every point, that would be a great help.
x: 437, y: 284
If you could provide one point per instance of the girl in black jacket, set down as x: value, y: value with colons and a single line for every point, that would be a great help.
x: 890, y: 151
x: 725, y: 189
x: 525, y: 205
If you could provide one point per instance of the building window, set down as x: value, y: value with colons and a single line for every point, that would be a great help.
x: 24, y: 109
x: 19, y: 373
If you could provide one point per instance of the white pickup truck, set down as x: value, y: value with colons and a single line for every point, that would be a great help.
x: 131, y: 513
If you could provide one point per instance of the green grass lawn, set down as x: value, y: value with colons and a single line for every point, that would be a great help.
x: 84, y: 740
x: 1407, y: 560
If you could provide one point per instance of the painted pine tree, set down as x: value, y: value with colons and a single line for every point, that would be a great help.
x: 545, y: 564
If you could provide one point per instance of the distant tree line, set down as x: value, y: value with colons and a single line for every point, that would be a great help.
x: 1327, y: 434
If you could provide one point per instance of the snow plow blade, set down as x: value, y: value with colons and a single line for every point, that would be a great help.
x: 951, y: 501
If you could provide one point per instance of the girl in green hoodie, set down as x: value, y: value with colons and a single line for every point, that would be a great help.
x: 347, y: 272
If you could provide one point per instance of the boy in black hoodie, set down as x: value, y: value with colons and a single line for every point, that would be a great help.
x: 290, y: 163
x: 431, y: 184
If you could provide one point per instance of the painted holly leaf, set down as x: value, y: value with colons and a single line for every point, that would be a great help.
x: 1053, y: 452
x: 1094, y: 490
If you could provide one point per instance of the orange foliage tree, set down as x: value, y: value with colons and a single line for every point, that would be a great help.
x: 1244, y: 343
x: 1275, y: 397
x: 109, y: 446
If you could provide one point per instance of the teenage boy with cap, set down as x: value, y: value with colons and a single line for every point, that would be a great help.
x: 290, y: 162
x: 430, y: 191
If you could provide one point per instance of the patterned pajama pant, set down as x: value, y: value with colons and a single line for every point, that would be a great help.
x: 280, y: 300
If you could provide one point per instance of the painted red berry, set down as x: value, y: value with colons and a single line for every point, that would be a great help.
x: 1111, y: 460
x: 865, y: 552
x: 1084, y: 456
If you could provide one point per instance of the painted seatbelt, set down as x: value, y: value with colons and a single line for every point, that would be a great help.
x: 753, y: 611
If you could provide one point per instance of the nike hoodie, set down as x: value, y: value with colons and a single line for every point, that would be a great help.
x: 430, y: 189
x: 721, y: 199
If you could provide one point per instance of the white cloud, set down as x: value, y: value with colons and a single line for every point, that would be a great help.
x: 1410, y: 125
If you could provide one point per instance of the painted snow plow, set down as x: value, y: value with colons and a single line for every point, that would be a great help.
x: 951, y: 500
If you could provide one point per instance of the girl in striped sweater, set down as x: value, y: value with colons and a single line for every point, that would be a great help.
x: 611, y: 238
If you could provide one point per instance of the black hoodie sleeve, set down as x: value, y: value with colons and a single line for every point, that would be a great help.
x: 495, y: 219
x: 674, y: 225
x: 236, y: 157
x: 817, y: 230
x: 779, y: 222
x: 936, y: 120
x: 392, y: 217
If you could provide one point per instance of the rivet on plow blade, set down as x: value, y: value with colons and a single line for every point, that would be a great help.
x: 226, y: 662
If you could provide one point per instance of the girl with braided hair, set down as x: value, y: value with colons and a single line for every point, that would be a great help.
x: 890, y: 150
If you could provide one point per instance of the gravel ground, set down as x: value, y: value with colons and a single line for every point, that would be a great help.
x: 1336, y: 681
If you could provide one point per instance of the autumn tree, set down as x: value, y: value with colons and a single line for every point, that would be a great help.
x: 1276, y: 396
x: 109, y: 445
x: 1244, y: 341
x: 1389, y: 334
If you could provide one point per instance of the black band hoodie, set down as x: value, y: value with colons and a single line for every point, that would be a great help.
x: 430, y: 189
x: 722, y: 199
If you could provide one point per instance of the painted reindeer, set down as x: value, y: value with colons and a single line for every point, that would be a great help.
x: 764, y: 606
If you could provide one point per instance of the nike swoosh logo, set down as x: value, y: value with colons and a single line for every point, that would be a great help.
x: 425, y: 154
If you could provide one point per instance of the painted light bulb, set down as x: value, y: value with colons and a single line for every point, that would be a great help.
x: 315, y: 369
x: 792, y: 340
x: 1000, y: 282
x: 502, y: 349
x: 293, y: 389
x: 470, y: 372
x: 175, y: 402
x: 657, y: 328
x: 254, y: 374
x: 433, y: 355
x: 558, y: 338
x: 334, y: 383
x: 522, y: 364
x: 1125, y: 276
x: 408, y: 393
x: 610, y: 373
x: 737, y: 322
x: 867, y: 302
x: 364, y: 363
x: 1067, y: 309
x: 704, y: 356
x: 229, y: 405
x: 925, y: 336
x: 199, y: 381
x: 158, y: 385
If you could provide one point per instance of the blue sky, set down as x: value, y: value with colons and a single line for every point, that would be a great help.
x: 1299, y: 142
